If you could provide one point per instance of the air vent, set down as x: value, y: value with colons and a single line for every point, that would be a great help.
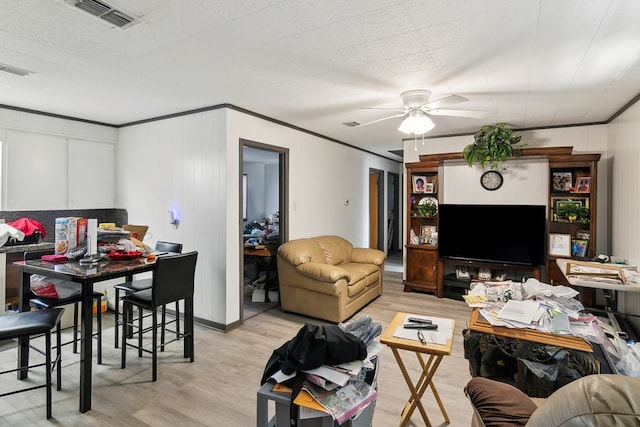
x: 105, y: 12
x: 14, y: 70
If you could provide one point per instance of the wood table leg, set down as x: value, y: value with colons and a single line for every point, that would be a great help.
x: 414, y: 400
x: 430, y: 370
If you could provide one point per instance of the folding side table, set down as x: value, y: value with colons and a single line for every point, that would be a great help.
x: 436, y: 353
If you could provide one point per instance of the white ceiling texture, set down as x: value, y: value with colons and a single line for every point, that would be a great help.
x: 315, y: 64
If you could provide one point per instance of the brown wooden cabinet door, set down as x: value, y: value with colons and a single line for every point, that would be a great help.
x: 422, y: 269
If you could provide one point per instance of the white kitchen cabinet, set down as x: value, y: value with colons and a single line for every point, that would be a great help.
x: 54, y: 172
x: 91, y: 174
x: 36, y: 171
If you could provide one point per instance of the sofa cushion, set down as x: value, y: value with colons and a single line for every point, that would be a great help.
x: 499, y: 404
x: 302, y: 251
x: 593, y: 400
x: 336, y: 249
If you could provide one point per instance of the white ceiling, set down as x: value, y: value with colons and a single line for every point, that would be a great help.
x: 317, y: 63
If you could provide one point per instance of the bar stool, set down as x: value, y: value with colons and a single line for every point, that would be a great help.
x: 26, y: 325
x: 173, y: 280
x: 40, y: 303
x: 142, y: 284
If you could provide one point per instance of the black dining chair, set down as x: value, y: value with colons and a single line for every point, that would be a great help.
x: 40, y: 303
x: 142, y: 284
x: 29, y: 324
x: 173, y: 281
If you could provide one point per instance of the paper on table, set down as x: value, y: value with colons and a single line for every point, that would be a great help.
x: 519, y: 311
x: 439, y: 336
x: 92, y: 234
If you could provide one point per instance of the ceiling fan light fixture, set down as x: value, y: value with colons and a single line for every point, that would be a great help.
x: 417, y: 123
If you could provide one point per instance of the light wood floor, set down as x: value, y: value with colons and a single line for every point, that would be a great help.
x: 219, y: 388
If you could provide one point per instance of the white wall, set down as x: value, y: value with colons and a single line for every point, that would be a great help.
x: 624, y: 145
x: 263, y: 185
x: 193, y: 161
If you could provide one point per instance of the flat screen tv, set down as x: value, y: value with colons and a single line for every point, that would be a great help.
x: 505, y: 234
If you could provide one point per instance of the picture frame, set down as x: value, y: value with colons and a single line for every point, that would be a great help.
x: 583, y: 184
x: 426, y: 234
x: 579, y: 247
x: 429, y: 188
x: 560, y: 245
x: 561, y: 181
x: 584, y: 235
x: 419, y: 182
x: 462, y: 272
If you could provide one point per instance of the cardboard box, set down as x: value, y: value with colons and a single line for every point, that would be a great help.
x: 70, y: 232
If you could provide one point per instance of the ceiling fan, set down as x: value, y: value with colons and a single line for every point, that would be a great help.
x: 417, y: 107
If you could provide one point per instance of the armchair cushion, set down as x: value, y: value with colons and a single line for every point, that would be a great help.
x: 499, y: 404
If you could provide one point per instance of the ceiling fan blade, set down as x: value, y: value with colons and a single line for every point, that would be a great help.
x: 398, y: 109
x: 458, y: 113
x: 447, y: 100
x: 382, y: 119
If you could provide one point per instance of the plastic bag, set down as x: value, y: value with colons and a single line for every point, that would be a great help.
x: 46, y: 287
x: 630, y: 362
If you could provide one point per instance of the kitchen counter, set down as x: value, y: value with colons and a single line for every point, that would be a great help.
x: 9, y: 254
x: 24, y: 248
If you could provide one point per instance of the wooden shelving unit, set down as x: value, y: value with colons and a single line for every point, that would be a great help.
x: 422, y: 255
x: 425, y: 272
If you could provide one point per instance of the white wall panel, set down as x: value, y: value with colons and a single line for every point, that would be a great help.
x: 180, y: 162
x: 624, y: 144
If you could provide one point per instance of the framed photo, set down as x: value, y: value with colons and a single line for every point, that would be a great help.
x: 426, y: 234
x: 560, y: 245
x: 584, y: 235
x: 419, y: 182
x: 429, y: 188
x: 579, y: 247
x: 462, y: 272
x: 561, y: 181
x: 582, y: 184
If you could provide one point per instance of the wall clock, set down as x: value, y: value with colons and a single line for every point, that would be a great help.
x: 491, y: 180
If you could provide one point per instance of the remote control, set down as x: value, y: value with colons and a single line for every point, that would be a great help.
x: 429, y: 326
x: 419, y: 320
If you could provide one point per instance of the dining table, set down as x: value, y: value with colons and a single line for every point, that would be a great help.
x: 85, y: 275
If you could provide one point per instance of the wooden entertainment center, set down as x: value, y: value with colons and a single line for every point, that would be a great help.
x: 426, y: 271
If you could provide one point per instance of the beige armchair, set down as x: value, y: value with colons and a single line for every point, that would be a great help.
x: 327, y: 278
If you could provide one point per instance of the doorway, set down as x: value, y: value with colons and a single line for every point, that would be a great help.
x: 376, y: 209
x: 263, y: 218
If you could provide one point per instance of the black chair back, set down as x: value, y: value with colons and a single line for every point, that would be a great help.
x: 37, y: 254
x: 173, y: 278
x: 169, y: 247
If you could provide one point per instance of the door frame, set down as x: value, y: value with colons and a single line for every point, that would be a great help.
x: 382, y: 238
x: 283, y: 203
x: 394, y: 201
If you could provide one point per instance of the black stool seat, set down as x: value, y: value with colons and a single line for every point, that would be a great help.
x: 135, y: 285
x: 29, y: 323
x: 26, y: 325
x: 40, y: 302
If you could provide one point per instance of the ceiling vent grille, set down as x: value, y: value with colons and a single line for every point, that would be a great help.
x: 14, y: 70
x: 105, y: 12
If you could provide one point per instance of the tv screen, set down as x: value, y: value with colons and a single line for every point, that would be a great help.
x: 509, y: 234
